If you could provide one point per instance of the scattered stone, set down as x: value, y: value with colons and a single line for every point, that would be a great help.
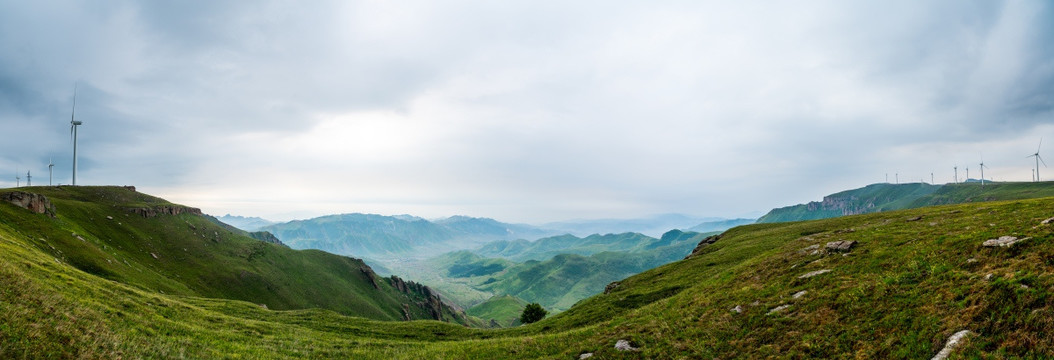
x: 916, y: 218
x: 840, y: 246
x: 778, y: 309
x: 108, y: 217
x: 737, y: 309
x: 264, y: 306
x: 585, y: 356
x: 953, y: 342
x: 809, y: 248
x: 755, y: 303
x: 1003, y: 241
x: 988, y: 277
x: 154, y: 255
x: 612, y: 286
x: 799, y: 294
x: 1048, y: 221
x: 971, y: 260
x: 814, y: 273
x: 933, y: 223
x: 1024, y: 287
x: 624, y: 345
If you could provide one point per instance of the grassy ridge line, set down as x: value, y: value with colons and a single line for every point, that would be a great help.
x: 187, y: 254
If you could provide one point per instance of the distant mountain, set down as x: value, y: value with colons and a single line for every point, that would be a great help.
x: 720, y: 225
x: 244, y: 223
x: 545, y: 248
x: 653, y: 226
x: 887, y: 197
x: 386, y: 237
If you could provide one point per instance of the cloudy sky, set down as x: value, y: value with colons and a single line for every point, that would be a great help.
x: 525, y: 111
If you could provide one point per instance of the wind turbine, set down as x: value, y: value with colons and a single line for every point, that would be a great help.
x: 982, y: 171
x: 73, y: 133
x: 1038, y: 158
x: 18, y: 179
x: 29, y: 179
x: 956, y: 168
x: 51, y: 171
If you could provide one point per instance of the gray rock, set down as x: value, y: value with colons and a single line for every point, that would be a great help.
x: 916, y: 218
x: 953, y: 342
x: 778, y: 309
x: 814, y: 273
x: 1003, y: 241
x: 585, y: 356
x: 737, y: 309
x: 840, y: 246
x: 799, y: 294
x: 1048, y: 221
x: 809, y: 248
x: 624, y: 345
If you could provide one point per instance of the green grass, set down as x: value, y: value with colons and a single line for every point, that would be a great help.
x: 900, y: 293
x: 505, y: 310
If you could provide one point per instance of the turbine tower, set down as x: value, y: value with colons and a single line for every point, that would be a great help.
x: 982, y: 171
x: 73, y: 133
x: 1038, y: 159
x: 29, y: 179
x: 18, y: 179
x: 51, y: 171
x: 956, y: 168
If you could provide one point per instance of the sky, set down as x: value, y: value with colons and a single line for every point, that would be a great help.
x: 523, y: 111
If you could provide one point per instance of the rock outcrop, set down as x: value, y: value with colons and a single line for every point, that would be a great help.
x: 266, y: 236
x: 33, y: 202
x: 840, y: 246
x: 1002, y: 241
x: 702, y: 244
x: 154, y: 211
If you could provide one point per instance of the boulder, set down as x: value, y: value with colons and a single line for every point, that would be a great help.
x: 624, y: 345
x: 33, y: 202
x: 585, y: 356
x: 778, y: 309
x: 840, y: 246
x: 1003, y: 241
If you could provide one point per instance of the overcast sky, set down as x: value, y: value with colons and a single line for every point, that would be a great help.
x: 525, y: 111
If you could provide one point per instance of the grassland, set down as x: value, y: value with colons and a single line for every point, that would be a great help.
x: 915, y: 277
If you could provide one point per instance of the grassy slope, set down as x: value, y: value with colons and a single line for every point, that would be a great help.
x: 189, y: 255
x: 900, y: 294
x: 503, y: 309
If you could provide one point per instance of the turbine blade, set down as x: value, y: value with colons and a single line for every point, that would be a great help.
x: 1041, y: 160
x: 1040, y: 145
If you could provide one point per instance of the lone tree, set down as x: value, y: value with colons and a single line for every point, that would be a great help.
x: 533, y: 312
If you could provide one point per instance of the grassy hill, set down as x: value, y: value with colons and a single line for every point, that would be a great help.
x: 503, y: 310
x: 128, y: 237
x: 914, y: 278
x: 886, y: 197
x: 560, y: 279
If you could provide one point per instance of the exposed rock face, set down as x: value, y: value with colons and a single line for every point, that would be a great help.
x: 149, y: 212
x: 1003, y: 241
x: 1048, y: 221
x: 33, y: 202
x: 612, y: 286
x: 840, y: 246
x: 702, y: 244
x: 421, y: 295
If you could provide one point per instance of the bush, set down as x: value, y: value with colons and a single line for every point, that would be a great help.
x: 532, y: 313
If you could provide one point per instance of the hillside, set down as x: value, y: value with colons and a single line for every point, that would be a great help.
x: 146, y: 242
x: 913, y: 279
x: 394, y: 237
x: 250, y: 224
x: 570, y: 268
x: 500, y: 310
x: 886, y: 197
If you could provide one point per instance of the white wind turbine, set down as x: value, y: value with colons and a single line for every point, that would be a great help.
x: 1038, y: 159
x: 982, y: 170
x: 51, y: 171
x: 73, y: 133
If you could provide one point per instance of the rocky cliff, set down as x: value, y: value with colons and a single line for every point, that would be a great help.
x: 33, y: 202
